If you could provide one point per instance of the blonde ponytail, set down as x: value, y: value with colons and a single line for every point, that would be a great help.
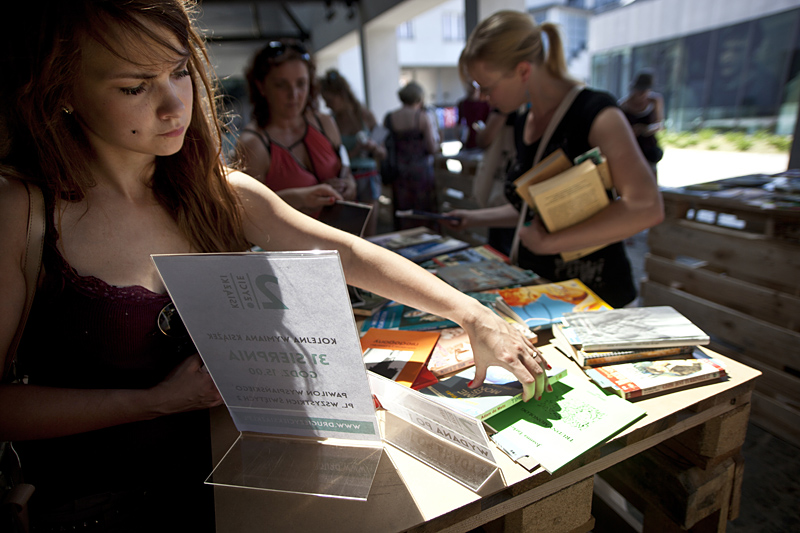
x: 555, y: 62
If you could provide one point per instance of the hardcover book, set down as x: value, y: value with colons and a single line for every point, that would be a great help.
x: 565, y: 423
x: 541, y: 306
x: 647, y: 378
x: 500, y: 390
x: 485, y: 275
x: 563, y: 339
x: 398, y: 355
x: 633, y: 327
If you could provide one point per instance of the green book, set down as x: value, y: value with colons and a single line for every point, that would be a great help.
x: 565, y: 423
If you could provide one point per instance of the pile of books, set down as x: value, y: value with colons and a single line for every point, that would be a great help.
x: 637, y: 352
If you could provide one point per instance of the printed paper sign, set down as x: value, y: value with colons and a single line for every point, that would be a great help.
x: 277, y: 334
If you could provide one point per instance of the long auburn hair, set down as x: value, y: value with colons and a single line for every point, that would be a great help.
x: 45, y: 145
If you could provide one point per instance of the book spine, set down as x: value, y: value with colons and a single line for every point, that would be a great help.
x: 682, y: 382
x: 660, y: 343
x: 501, y: 407
x: 587, y: 359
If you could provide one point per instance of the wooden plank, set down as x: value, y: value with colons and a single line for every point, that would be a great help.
x: 667, y: 484
x: 762, y: 261
x: 777, y: 418
x: 770, y: 305
x: 771, y: 344
x: 774, y: 383
x: 709, y: 444
x: 561, y: 512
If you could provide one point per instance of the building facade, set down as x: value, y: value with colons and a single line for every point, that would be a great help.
x: 727, y: 64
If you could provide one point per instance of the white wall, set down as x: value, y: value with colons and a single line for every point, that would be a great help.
x: 658, y: 20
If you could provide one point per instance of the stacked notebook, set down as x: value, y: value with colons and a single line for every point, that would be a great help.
x: 636, y: 352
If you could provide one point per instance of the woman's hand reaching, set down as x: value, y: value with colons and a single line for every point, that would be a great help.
x: 496, y: 342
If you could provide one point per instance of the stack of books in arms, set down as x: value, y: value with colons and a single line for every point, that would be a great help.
x: 637, y: 352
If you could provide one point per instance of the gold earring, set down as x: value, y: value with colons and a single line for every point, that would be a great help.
x: 66, y: 110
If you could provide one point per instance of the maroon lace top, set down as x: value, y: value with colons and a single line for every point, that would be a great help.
x: 84, y: 333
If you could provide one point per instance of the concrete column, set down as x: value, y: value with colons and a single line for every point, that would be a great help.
x: 382, y: 69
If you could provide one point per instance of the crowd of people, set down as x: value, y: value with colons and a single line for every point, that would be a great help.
x: 108, y: 107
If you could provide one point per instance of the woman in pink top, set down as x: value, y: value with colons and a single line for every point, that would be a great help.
x: 288, y: 145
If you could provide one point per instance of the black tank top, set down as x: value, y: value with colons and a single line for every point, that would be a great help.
x: 607, y: 271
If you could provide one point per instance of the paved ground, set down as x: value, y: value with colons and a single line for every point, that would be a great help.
x: 682, y: 167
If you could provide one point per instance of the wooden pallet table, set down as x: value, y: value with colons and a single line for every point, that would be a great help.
x: 729, y: 259
x: 409, y: 496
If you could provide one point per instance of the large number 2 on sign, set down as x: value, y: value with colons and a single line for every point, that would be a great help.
x: 273, y: 302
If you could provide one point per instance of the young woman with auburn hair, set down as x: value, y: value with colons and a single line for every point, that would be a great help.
x: 107, y: 107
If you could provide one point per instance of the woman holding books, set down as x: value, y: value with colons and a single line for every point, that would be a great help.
x: 506, y: 57
x: 107, y: 106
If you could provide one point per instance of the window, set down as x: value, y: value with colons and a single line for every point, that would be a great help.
x: 453, y: 28
x: 405, y: 30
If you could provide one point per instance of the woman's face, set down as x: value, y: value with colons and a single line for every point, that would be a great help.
x: 126, y: 108
x: 286, y: 89
x: 502, y: 90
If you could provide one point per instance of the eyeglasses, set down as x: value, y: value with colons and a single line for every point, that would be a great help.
x: 276, y: 49
x: 170, y: 323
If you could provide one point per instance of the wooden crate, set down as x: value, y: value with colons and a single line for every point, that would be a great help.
x: 732, y: 266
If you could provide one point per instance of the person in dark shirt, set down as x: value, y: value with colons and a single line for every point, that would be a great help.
x: 506, y: 57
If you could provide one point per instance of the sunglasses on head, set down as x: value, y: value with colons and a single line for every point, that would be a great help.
x: 276, y: 49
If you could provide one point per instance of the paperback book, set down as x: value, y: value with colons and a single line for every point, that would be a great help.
x: 564, y: 339
x: 633, y: 327
x: 475, y: 254
x: 453, y: 352
x: 485, y: 275
x: 398, y: 355
x: 565, y: 423
x: 403, y: 317
x: 500, y: 390
x: 541, y: 306
x: 418, y: 244
x: 647, y: 378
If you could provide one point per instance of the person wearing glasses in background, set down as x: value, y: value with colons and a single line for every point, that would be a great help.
x: 288, y: 145
x: 107, y: 105
x: 506, y: 57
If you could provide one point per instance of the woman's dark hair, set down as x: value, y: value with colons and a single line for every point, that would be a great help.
x: 46, y: 145
x: 334, y: 83
x: 277, y: 53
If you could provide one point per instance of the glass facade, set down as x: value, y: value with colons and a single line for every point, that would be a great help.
x: 745, y: 76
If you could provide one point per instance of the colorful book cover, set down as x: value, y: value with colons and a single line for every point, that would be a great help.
x: 453, y: 352
x: 398, y: 355
x: 633, y: 327
x: 565, y: 423
x: 541, y: 306
x: 475, y: 254
x: 399, y: 316
x: 646, y: 378
x: 500, y: 390
x: 485, y: 275
x: 426, y: 250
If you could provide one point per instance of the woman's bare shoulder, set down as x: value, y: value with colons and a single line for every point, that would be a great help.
x: 13, y: 215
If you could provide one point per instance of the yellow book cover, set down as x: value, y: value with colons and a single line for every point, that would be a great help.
x: 550, y: 166
x: 398, y: 355
x: 570, y: 198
